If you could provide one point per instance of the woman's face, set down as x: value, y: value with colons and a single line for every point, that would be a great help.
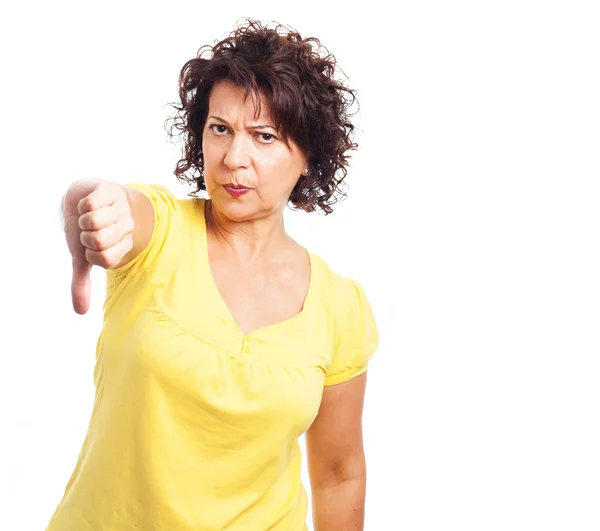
x: 245, y: 151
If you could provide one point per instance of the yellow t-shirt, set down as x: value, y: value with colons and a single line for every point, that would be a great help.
x: 195, y: 425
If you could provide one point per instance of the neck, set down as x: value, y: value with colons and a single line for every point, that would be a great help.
x: 250, y: 241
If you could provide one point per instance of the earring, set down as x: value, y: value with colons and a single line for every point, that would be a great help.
x: 306, y: 170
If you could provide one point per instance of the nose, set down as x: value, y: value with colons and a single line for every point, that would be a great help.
x: 238, y: 152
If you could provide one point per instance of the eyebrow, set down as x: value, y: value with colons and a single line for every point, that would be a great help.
x: 251, y: 127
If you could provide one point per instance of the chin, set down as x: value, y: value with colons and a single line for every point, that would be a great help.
x: 235, y: 208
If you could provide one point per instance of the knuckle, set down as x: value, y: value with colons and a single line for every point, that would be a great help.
x: 101, y: 259
x: 92, y: 240
x: 91, y: 257
x: 86, y: 222
x: 127, y: 225
x: 95, y: 223
x: 96, y: 240
x: 106, y: 258
x: 117, y: 231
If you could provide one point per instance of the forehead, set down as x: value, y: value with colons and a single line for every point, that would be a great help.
x: 227, y: 98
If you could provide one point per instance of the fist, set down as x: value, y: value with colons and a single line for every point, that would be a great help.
x: 99, y: 231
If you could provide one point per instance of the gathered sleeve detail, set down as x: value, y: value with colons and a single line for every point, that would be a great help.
x: 356, y: 336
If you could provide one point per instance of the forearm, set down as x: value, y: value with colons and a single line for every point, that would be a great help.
x: 340, y: 506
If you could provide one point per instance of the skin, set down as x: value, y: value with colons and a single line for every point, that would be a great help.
x: 261, y: 272
x: 251, y: 225
x: 336, y: 458
x: 248, y: 242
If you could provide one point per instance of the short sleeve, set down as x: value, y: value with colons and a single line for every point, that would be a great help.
x: 357, y: 336
x: 166, y: 212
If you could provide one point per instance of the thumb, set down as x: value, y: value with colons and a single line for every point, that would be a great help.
x: 81, y: 285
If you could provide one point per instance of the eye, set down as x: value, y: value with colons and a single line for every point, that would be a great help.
x: 267, y: 138
x: 218, y: 129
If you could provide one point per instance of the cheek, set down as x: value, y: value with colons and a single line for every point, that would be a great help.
x: 210, y: 154
x: 277, y: 170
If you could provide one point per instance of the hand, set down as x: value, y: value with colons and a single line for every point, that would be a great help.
x: 99, y: 230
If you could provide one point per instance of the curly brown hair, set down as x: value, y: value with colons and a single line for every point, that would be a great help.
x: 307, y: 104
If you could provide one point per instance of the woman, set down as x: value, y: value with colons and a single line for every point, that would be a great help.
x: 224, y: 339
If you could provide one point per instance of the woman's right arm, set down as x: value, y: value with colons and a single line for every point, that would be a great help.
x: 106, y: 224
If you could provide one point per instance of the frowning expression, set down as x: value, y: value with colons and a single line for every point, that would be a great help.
x: 245, y: 150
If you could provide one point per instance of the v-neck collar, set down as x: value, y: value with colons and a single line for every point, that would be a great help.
x: 219, y: 298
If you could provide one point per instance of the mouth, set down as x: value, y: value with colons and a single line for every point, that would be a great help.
x: 236, y: 190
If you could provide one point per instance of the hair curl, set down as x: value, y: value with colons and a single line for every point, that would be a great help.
x: 307, y: 104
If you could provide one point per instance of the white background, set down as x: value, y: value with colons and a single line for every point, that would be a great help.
x: 472, y: 222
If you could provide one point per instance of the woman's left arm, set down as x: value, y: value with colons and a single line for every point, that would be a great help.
x: 336, y: 458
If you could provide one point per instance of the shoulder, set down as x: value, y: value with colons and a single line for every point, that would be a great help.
x: 154, y: 191
x: 342, y: 290
x: 169, y: 207
x: 355, y: 332
x: 172, y: 217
